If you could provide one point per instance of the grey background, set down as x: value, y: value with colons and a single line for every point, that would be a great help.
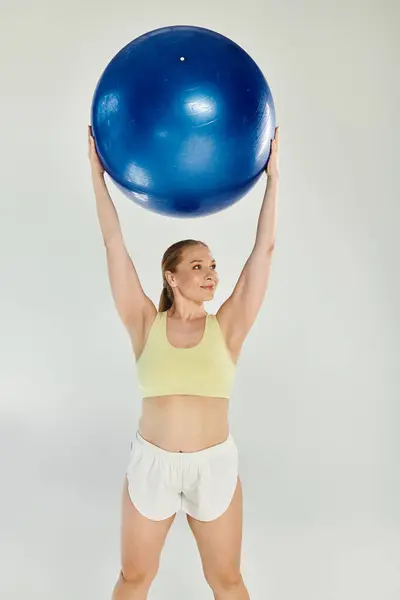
x: 315, y: 408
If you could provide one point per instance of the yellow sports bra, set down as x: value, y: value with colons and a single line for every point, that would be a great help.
x: 206, y: 369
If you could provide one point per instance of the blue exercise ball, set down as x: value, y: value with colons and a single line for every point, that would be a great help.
x: 183, y: 120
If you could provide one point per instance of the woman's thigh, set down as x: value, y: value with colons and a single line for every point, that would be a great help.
x: 220, y: 541
x: 142, y: 540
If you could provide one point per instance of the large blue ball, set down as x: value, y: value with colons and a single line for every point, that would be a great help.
x: 183, y: 120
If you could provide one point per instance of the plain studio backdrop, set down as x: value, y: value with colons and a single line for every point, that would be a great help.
x: 315, y: 409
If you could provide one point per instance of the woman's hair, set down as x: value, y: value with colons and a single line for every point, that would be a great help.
x: 170, y: 261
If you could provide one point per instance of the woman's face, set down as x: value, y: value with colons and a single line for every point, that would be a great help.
x: 196, y: 277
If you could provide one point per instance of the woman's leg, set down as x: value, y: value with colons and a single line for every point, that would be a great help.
x: 220, y: 543
x: 142, y: 541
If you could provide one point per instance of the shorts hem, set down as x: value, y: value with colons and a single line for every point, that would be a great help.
x: 219, y: 513
x: 147, y: 515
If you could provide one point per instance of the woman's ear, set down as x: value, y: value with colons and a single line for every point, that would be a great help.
x: 169, y: 277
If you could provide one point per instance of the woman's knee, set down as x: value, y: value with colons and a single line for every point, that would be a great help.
x: 223, y: 580
x: 138, y: 577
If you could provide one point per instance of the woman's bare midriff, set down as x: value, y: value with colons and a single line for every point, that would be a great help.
x: 184, y: 423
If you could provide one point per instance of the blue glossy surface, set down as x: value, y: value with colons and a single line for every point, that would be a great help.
x: 183, y: 119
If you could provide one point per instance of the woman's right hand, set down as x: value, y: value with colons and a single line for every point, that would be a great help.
x: 96, y: 166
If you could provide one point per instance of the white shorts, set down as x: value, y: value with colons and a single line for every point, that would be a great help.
x: 202, y: 483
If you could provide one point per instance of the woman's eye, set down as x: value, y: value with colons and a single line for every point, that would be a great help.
x: 212, y: 266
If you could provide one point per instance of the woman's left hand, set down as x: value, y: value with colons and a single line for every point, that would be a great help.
x: 272, y: 169
x: 97, y: 167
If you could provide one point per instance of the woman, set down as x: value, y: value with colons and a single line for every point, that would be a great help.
x: 183, y: 456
